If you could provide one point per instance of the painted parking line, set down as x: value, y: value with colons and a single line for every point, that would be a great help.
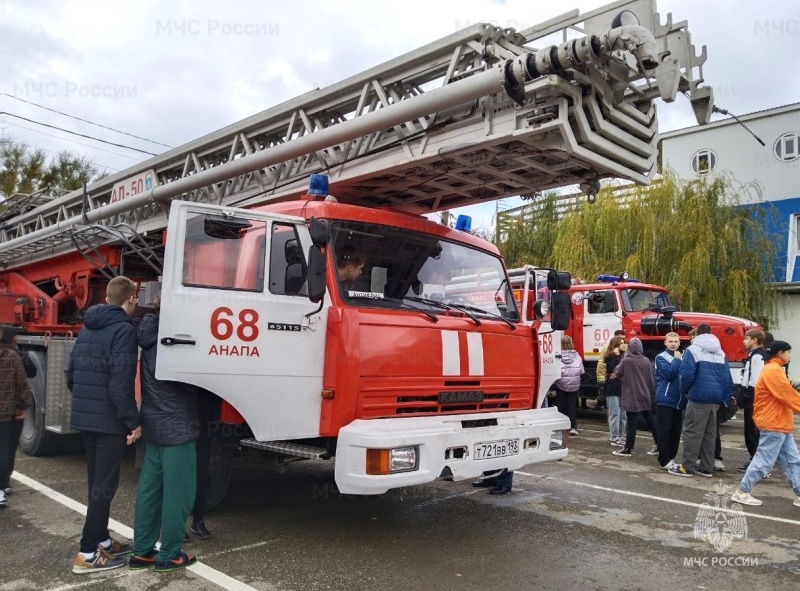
x: 210, y: 574
x: 652, y: 497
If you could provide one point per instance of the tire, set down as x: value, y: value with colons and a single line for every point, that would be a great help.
x: 35, y: 439
x: 220, y: 471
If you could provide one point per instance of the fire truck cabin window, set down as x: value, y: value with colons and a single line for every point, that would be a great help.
x: 287, y: 265
x: 224, y: 252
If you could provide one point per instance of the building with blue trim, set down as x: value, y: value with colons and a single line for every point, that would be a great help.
x: 728, y: 146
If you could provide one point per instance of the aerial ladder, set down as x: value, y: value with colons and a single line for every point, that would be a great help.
x: 477, y: 116
x: 482, y: 114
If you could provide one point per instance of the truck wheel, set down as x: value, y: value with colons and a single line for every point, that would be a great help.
x: 35, y: 439
x: 220, y: 471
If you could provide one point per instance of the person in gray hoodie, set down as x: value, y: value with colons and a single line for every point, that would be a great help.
x: 638, y: 389
x: 706, y: 382
x: 568, y: 385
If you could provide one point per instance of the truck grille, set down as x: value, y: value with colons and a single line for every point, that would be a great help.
x: 380, y: 400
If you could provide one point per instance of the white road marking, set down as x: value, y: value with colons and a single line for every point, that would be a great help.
x: 652, y: 497
x: 205, y: 571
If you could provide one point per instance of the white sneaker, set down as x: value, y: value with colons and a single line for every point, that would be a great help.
x: 746, y: 499
x: 670, y: 464
x: 3, y: 502
x: 653, y: 451
x: 796, y: 502
x: 573, y: 431
x: 719, y: 466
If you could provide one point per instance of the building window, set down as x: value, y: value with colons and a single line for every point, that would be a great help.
x: 704, y: 161
x: 787, y: 147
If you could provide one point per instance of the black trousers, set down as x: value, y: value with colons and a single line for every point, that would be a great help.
x: 5, y: 443
x: 16, y: 433
x: 633, y: 419
x: 751, y: 432
x: 566, y: 402
x: 718, y: 441
x: 208, y: 426
x: 203, y: 450
x: 104, y: 454
x: 669, y: 422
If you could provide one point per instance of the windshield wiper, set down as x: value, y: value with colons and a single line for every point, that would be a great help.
x: 441, y: 305
x: 396, y: 301
x: 465, y: 307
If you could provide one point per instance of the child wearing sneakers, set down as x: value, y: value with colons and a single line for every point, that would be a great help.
x: 613, y: 390
x: 669, y: 416
x: 166, y: 491
x: 775, y: 402
x: 638, y: 385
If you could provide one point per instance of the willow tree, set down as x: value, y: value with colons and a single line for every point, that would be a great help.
x: 704, y: 240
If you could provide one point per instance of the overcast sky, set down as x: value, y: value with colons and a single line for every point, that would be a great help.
x: 174, y: 71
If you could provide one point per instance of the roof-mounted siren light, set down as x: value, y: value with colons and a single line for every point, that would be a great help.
x: 591, y: 188
x: 464, y: 223
x: 318, y: 185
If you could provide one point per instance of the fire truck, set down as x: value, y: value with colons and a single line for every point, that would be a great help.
x: 642, y: 310
x: 421, y: 366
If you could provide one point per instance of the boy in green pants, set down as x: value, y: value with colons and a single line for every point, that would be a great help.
x: 170, y: 426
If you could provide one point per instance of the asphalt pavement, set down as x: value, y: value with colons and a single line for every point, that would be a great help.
x: 592, y: 521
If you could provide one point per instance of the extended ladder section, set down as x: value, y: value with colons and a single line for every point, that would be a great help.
x: 480, y: 115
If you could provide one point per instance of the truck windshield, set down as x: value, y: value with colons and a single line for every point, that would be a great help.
x: 381, y: 266
x: 638, y: 300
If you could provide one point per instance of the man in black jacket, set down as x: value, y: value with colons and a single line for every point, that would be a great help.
x: 167, y: 482
x: 101, y: 376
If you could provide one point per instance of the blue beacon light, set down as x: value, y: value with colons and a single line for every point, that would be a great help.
x: 318, y: 185
x: 464, y: 223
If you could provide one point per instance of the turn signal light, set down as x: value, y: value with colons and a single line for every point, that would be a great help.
x: 377, y: 461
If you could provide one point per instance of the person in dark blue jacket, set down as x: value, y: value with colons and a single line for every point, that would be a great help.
x: 706, y: 382
x: 166, y: 491
x: 670, y: 403
x: 101, y: 376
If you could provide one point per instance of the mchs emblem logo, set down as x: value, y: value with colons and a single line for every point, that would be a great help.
x: 716, y: 523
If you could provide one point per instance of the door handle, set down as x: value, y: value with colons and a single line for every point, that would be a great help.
x: 169, y: 341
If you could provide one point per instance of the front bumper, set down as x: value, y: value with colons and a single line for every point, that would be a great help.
x: 436, y: 438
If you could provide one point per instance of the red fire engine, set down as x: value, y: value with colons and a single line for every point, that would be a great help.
x: 419, y: 367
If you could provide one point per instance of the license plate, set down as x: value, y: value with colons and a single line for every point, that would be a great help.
x: 496, y: 449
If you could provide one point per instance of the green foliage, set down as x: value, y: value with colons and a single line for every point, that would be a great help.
x: 25, y: 170
x: 688, y: 236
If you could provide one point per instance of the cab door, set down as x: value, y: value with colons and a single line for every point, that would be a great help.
x: 549, y: 340
x: 235, y: 318
x: 600, y: 320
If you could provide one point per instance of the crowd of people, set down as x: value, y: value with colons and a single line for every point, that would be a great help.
x: 678, y: 398
x: 688, y: 389
x: 174, y: 420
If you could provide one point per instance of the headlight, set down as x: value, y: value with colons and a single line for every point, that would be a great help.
x: 558, y: 439
x: 391, y: 461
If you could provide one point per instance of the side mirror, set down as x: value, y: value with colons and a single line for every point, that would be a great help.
x: 320, y: 232
x: 560, y: 310
x: 557, y: 280
x: 317, y: 267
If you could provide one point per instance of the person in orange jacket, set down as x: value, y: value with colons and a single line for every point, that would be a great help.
x: 775, y: 402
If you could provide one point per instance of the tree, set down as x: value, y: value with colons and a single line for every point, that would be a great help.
x: 25, y: 170
x: 697, y: 238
